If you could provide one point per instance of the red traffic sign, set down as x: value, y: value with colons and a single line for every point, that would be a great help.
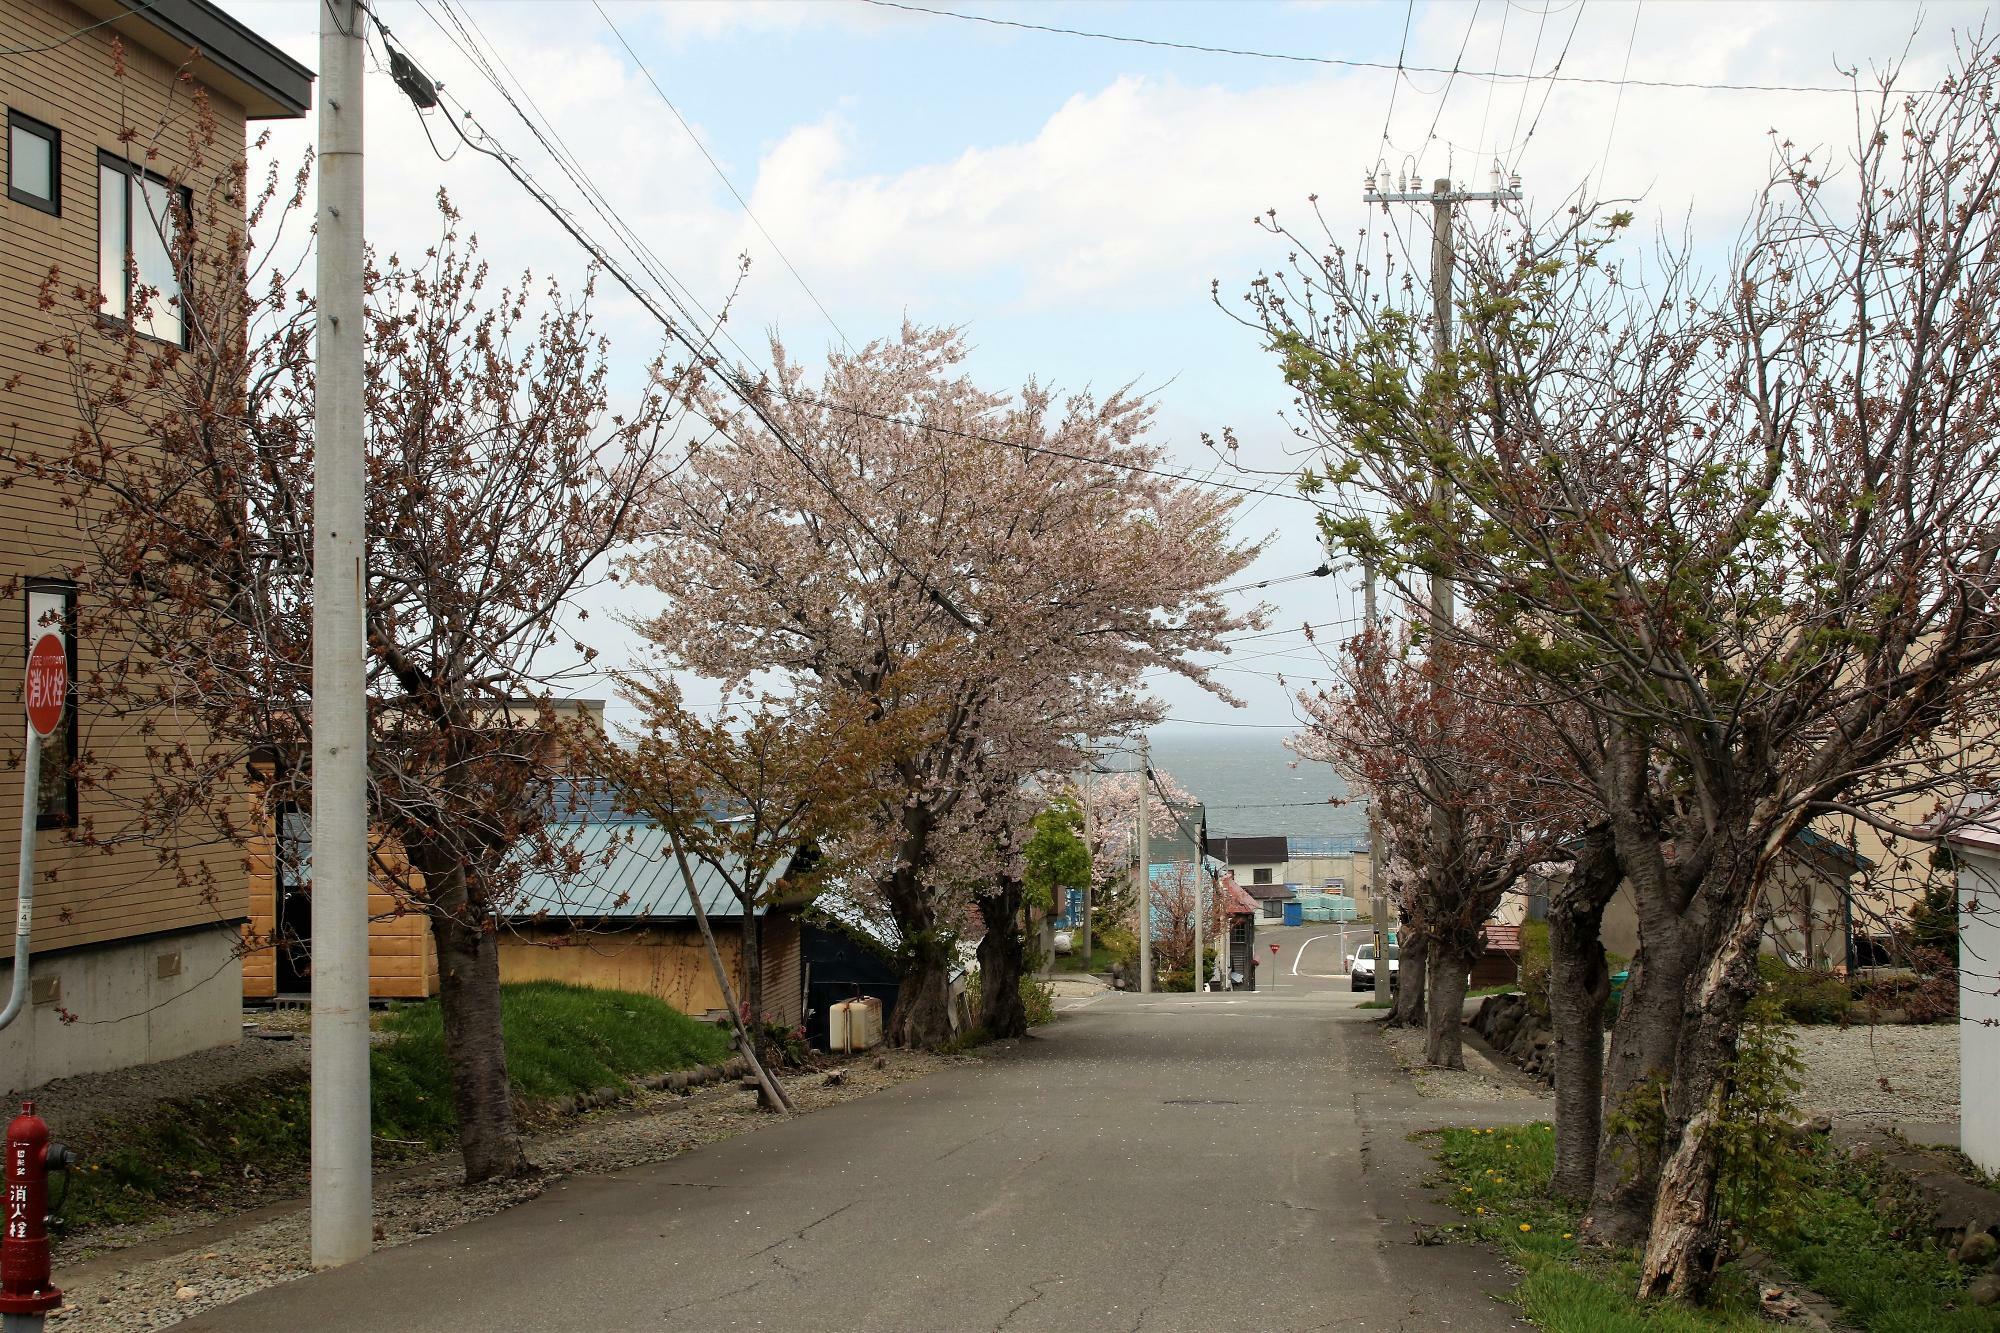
x: 48, y: 684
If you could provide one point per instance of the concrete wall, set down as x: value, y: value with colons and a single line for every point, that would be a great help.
x: 1313, y: 872
x: 1978, y: 1008
x: 126, y: 1012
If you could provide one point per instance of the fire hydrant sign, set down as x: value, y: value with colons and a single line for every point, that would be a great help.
x: 48, y: 684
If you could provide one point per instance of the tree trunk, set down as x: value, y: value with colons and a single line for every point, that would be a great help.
x: 1685, y: 1236
x: 1579, y: 988
x: 753, y: 969
x: 1444, y: 1048
x: 1002, y: 964
x: 1642, y: 1057
x: 923, y: 1004
x: 468, y: 950
x: 1410, y: 977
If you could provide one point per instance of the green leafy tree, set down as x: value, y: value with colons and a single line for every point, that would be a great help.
x: 1057, y: 855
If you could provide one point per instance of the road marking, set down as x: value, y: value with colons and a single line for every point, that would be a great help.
x: 1302, y: 951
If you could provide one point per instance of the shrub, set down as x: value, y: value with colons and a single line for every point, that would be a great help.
x: 1120, y: 944
x: 1804, y: 995
x: 1039, y: 999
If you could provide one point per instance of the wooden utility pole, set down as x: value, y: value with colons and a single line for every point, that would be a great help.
x: 1090, y: 879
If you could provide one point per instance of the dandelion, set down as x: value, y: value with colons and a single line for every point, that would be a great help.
x: 1525, y: 1227
x: 1568, y: 1236
x: 1480, y: 1210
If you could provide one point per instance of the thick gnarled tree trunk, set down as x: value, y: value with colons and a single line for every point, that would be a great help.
x: 1579, y: 989
x: 1444, y: 1046
x: 1002, y: 963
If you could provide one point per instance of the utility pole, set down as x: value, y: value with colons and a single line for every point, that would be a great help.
x: 1200, y: 873
x: 1381, y: 899
x: 342, y: 1189
x: 1145, y: 871
x: 1444, y: 202
x: 1090, y: 882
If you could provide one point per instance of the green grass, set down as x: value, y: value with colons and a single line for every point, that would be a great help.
x: 1499, y: 1178
x: 1100, y: 960
x: 1376, y: 1004
x: 251, y: 1142
x: 1853, y: 1237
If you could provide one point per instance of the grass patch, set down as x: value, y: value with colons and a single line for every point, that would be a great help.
x: 251, y: 1143
x: 1855, y: 1238
x: 1376, y: 1004
x: 1499, y: 1178
x: 1100, y: 960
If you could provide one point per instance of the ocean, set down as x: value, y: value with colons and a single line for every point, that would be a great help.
x: 1252, y: 784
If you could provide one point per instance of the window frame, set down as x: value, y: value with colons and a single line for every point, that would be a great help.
x: 70, y: 732
x: 135, y: 174
x: 41, y: 129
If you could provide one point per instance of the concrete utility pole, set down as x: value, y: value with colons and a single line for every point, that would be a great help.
x: 1200, y: 873
x: 1444, y: 202
x: 1381, y: 899
x: 342, y: 1189
x: 1090, y: 884
x: 1145, y: 871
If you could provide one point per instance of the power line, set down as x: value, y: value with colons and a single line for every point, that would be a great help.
x: 723, y: 176
x: 1522, y: 152
x: 1319, y: 573
x: 1445, y: 96
x: 747, y: 394
x: 664, y: 277
x: 1504, y: 76
x: 1396, y: 84
x: 72, y: 35
x: 1616, y: 106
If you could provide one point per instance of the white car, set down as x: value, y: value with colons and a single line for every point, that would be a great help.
x: 1361, y: 967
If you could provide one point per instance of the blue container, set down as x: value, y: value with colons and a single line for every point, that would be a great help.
x: 1295, y: 913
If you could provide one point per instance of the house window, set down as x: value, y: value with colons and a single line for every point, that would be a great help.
x: 1261, y: 875
x: 52, y: 610
x: 34, y: 163
x: 138, y: 221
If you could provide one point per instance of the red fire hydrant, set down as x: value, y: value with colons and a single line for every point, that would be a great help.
x: 25, y: 1286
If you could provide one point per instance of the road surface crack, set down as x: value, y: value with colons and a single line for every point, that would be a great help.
x: 800, y: 1234
x: 1035, y: 1287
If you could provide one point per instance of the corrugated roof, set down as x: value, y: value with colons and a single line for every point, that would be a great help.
x: 629, y: 874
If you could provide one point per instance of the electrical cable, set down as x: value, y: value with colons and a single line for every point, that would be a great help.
x: 1396, y: 84
x: 1619, y: 104
x: 1503, y: 76
x: 1521, y: 153
x: 71, y: 36
x: 724, y: 177
x: 1430, y: 135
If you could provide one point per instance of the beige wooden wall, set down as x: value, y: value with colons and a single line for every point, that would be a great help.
x: 666, y: 962
x: 90, y: 896
x: 402, y: 957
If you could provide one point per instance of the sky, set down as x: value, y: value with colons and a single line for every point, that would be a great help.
x: 1069, y: 200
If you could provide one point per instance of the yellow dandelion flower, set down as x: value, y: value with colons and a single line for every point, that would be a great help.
x: 1526, y: 1227
x: 1568, y: 1236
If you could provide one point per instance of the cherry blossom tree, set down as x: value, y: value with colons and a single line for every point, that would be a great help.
x: 497, y: 484
x: 1748, y: 525
x: 1467, y: 785
x: 1008, y: 565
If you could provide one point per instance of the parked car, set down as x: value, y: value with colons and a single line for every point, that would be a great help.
x: 1361, y: 967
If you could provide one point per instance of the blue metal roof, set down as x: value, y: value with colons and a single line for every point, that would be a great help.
x: 629, y: 873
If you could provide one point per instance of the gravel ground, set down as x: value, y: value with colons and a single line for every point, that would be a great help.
x: 154, y: 1293
x: 1880, y: 1074
x: 74, y: 1106
x: 1479, y: 1081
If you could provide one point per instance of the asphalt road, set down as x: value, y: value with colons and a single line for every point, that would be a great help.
x: 1149, y: 1163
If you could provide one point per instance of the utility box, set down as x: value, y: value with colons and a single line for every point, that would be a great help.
x: 855, y: 1025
